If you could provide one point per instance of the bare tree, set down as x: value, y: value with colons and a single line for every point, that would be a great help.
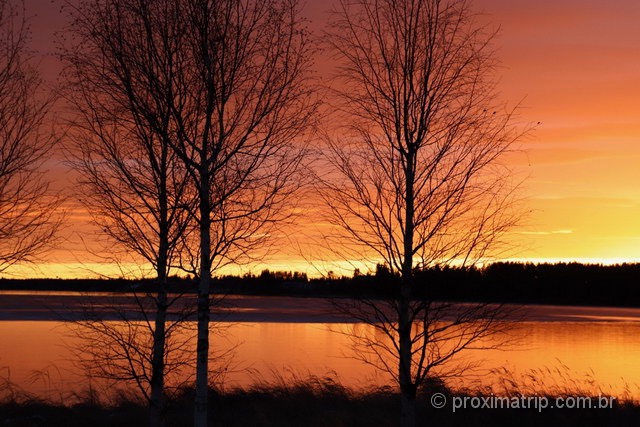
x: 416, y: 176
x: 231, y: 75
x: 135, y: 187
x: 237, y: 133
x: 28, y: 218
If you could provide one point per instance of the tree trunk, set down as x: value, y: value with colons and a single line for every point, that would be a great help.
x: 408, y: 409
x: 202, y: 362
x: 156, y: 407
x: 156, y: 404
x: 407, y: 386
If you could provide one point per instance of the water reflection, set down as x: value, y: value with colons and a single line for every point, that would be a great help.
x: 35, y: 355
x: 603, y: 355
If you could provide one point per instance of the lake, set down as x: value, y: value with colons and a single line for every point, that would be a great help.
x: 594, y: 349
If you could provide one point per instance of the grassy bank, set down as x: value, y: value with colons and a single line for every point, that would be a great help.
x: 310, y: 402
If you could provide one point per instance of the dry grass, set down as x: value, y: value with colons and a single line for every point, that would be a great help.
x: 292, y: 399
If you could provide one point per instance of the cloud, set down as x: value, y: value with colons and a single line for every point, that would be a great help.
x: 545, y: 233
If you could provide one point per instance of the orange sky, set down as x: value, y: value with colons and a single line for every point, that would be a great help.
x: 574, y: 66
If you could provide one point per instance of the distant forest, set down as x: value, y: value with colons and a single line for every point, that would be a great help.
x: 561, y: 283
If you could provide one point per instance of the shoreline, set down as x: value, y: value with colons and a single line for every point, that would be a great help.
x: 68, y: 306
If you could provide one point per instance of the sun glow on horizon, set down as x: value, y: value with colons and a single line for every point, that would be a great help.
x: 581, y: 161
x: 337, y: 268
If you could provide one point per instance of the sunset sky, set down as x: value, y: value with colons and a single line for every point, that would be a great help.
x: 572, y: 65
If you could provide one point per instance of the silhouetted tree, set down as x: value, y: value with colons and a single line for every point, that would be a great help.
x: 28, y: 213
x: 134, y: 186
x: 246, y: 107
x: 231, y: 76
x: 416, y: 178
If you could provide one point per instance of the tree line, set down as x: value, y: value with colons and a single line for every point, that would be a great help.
x: 194, y: 124
x: 500, y: 282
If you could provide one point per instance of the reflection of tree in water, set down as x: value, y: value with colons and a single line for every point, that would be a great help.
x: 114, y: 346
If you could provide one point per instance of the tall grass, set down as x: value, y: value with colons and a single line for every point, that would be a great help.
x: 294, y: 399
x: 556, y: 381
